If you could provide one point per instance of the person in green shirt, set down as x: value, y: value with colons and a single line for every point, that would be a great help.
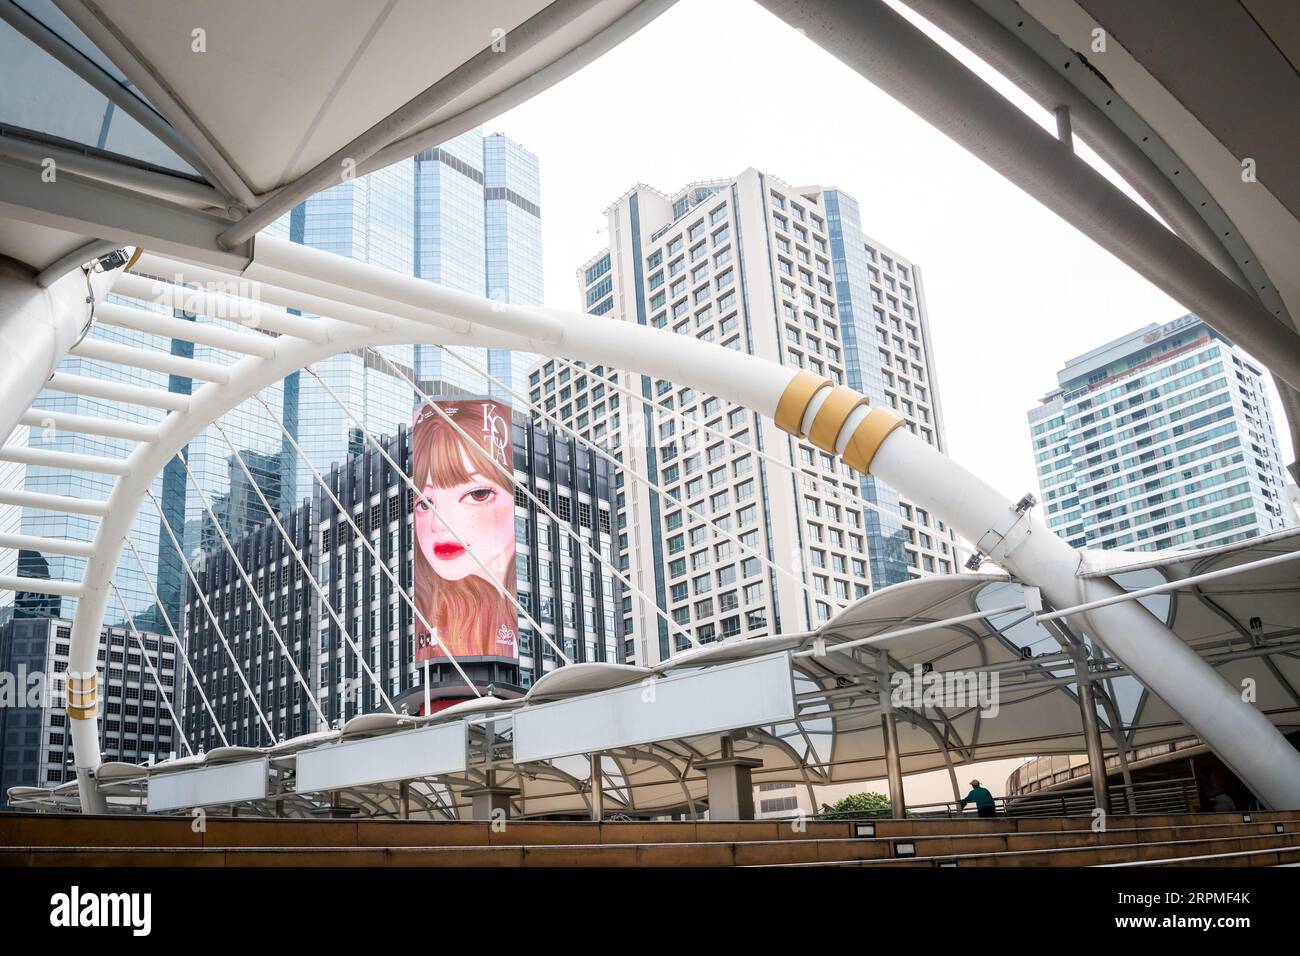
x: 982, y: 799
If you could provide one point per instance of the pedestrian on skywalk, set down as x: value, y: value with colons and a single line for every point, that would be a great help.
x: 982, y: 799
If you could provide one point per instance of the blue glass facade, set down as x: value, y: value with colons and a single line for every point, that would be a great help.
x: 370, y: 219
x: 512, y: 243
x: 886, y: 537
x: 478, y: 229
x: 449, y: 236
x: 465, y: 215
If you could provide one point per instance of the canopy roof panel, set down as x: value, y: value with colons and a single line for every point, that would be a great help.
x: 192, y: 126
x: 279, y: 87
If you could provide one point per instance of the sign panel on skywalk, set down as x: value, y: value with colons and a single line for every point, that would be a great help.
x: 427, y: 752
x: 209, y: 786
x: 744, y: 694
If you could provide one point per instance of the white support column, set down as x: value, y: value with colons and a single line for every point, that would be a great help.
x: 730, y: 783
x: 38, y: 326
x: 1091, y: 732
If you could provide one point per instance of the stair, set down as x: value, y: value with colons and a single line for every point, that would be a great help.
x: 1155, y: 840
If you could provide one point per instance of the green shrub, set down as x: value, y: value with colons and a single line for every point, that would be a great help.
x: 874, y: 804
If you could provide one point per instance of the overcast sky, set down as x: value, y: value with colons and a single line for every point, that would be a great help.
x: 715, y: 86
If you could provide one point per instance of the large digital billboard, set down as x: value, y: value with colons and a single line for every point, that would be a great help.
x: 465, y: 532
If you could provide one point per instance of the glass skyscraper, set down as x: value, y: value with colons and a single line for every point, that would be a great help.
x: 450, y: 247
x: 464, y: 215
x: 512, y: 242
x: 863, y: 369
x: 478, y: 229
x: 370, y: 219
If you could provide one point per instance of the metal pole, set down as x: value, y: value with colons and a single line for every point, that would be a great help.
x: 889, y: 729
x: 428, y: 702
x: 1092, y: 734
x: 404, y: 799
x: 597, y: 789
x: 1107, y: 695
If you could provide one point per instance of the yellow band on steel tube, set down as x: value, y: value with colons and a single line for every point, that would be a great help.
x: 83, y: 696
x: 829, y: 422
x: 868, y: 437
x: 794, y: 401
x: 835, y: 411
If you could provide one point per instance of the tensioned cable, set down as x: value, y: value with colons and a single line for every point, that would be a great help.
x: 510, y: 475
x: 194, y: 581
x: 157, y: 681
x: 362, y: 537
x: 303, y: 563
x: 248, y: 581
x: 251, y: 587
x: 429, y: 504
x: 180, y: 650
x: 767, y: 562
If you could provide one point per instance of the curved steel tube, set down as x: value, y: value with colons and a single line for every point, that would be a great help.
x: 1211, y: 707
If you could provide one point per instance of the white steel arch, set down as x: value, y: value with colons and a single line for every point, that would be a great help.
x: 368, y: 306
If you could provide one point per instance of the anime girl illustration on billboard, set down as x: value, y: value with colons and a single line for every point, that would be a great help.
x: 465, y: 535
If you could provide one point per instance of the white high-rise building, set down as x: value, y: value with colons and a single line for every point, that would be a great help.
x: 1160, y: 439
x: 754, y: 264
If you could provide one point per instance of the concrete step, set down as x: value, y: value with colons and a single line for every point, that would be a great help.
x: 1284, y: 856
x: 27, y: 829
x: 1164, y: 852
x: 976, y: 850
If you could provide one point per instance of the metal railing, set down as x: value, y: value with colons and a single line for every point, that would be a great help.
x: 1159, y: 796
x: 1038, y: 774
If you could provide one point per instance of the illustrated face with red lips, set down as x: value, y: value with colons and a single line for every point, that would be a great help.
x: 478, y: 513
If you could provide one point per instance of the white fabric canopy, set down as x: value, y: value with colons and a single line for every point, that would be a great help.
x: 837, y: 736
